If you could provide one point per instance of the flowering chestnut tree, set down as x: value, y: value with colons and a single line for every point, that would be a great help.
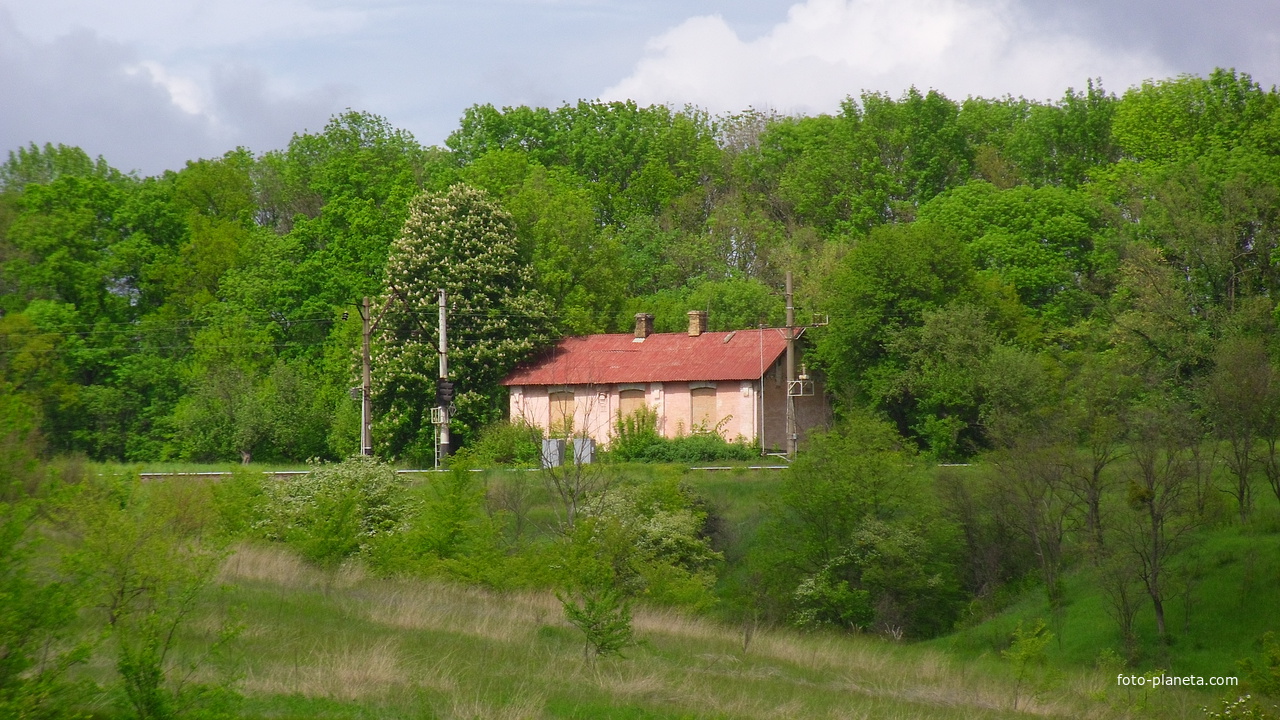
x: 460, y: 241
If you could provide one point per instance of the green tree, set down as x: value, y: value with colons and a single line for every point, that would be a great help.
x: 577, y: 267
x: 851, y: 543
x: 1187, y: 116
x: 458, y: 241
x: 884, y: 285
x: 149, y: 556
x: 1040, y: 241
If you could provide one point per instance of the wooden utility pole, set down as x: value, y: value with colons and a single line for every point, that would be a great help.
x: 443, y: 450
x: 366, y: 387
x: 792, y: 435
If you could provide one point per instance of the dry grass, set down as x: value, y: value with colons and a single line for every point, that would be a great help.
x: 467, y: 611
x: 264, y: 564
x: 346, y: 673
x: 478, y: 708
x: 469, y: 653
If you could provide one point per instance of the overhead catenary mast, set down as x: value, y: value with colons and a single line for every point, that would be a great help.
x: 792, y: 435
x: 803, y: 385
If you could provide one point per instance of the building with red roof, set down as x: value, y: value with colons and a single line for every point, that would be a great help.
x: 732, y: 382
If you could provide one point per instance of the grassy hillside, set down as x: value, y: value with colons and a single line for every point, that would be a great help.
x: 349, y: 644
x: 1234, y: 598
x: 345, y: 645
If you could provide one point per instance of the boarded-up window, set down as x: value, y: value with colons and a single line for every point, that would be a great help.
x: 629, y: 401
x: 704, y: 408
x: 561, y: 414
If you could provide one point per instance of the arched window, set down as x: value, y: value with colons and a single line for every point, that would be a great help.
x: 629, y: 401
x: 562, y: 406
x: 703, y: 412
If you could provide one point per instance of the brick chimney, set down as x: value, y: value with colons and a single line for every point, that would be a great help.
x: 697, y: 322
x: 644, y: 325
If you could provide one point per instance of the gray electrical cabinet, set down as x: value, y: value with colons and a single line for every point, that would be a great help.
x: 584, y: 451
x: 552, y: 452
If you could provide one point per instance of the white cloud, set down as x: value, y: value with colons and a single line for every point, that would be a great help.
x: 826, y: 50
x: 184, y: 92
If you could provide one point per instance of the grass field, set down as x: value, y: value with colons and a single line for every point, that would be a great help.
x: 345, y: 645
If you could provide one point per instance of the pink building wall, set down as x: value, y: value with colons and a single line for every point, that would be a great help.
x: 739, y: 409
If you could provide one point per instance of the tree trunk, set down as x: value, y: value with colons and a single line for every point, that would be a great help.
x: 1158, y: 604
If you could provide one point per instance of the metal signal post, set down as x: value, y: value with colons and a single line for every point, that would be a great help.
x: 444, y: 390
x: 366, y: 386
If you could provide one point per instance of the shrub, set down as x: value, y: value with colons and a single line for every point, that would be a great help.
x: 36, y: 616
x: 604, y: 617
x: 635, y: 434
x: 504, y: 443
x: 336, y: 510
x: 699, y: 447
x: 636, y: 439
x: 648, y: 540
x: 1263, y: 675
x: 148, y: 555
x: 445, y: 531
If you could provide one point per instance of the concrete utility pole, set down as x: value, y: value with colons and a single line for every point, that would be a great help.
x: 796, y: 386
x: 792, y: 436
x: 443, y: 450
x: 366, y: 387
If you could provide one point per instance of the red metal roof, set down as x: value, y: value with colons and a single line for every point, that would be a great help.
x: 661, y: 357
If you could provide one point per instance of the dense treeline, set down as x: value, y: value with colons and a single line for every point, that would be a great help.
x: 979, y: 260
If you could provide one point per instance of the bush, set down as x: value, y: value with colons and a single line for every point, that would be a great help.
x: 636, y: 439
x: 36, y: 616
x: 336, y: 510
x: 147, y: 556
x: 505, y: 443
x: 635, y: 434
x: 445, y: 532
x: 648, y: 542
x: 699, y: 447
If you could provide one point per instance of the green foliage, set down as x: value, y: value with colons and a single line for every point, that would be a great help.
x: 635, y: 434
x: 36, y: 620
x: 826, y: 599
x: 1040, y: 241
x: 503, y: 443
x: 1262, y: 675
x: 604, y: 617
x: 884, y: 285
x: 461, y: 242
x: 336, y: 510
x: 241, y: 502
x: 1189, y: 116
x: 699, y: 447
x: 148, y: 555
x: 444, y: 532
x: 1026, y: 652
x: 731, y: 304
x: 854, y: 542
x: 636, y: 439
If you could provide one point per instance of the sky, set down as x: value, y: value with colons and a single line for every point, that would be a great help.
x: 151, y: 84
